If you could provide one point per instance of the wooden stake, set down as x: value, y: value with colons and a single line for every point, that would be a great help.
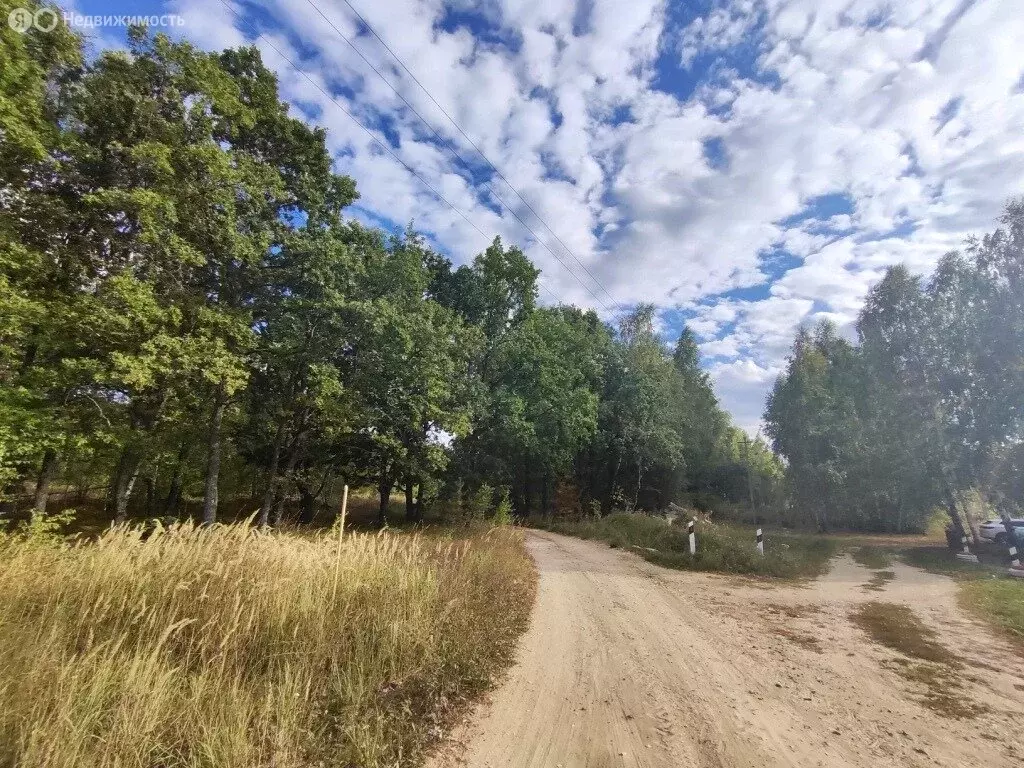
x: 344, y: 507
x: 341, y: 535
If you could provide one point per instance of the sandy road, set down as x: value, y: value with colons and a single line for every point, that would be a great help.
x: 628, y: 664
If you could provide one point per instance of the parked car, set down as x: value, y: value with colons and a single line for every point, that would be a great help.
x: 994, y: 530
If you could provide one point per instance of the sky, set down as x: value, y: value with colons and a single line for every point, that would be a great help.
x: 745, y: 165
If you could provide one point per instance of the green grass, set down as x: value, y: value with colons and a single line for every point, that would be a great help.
x: 875, y: 558
x: 941, y: 560
x: 1001, y: 601
x: 234, y: 647
x: 985, y: 588
x: 721, y: 548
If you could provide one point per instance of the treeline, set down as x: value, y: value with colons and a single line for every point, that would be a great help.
x: 926, y: 410
x: 188, y: 314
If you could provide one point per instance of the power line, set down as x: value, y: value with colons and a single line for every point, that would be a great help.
x: 447, y: 144
x: 472, y: 143
x: 378, y: 142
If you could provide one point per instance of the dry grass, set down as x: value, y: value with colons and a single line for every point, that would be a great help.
x: 232, y: 647
x: 878, y: 581
x: 926, y: 662
x: 896, y: 626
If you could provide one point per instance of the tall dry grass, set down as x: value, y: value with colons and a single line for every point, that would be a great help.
x: 230, y: 646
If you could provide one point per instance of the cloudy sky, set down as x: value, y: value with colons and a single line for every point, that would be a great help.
x: 745, y: 165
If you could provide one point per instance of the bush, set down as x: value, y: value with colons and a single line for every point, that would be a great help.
x: 720, y: 547
x: 233, y: 647
x: 480, y: 503
x: 503, y: 512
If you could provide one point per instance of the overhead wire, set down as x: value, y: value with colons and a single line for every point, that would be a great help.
x: 454, y: 152
x: 382, y: 144
x: 475, y: 146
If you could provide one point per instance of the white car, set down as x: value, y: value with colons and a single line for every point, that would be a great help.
x: 994, y: 530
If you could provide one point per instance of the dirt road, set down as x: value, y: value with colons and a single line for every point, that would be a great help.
x: 629, y: 664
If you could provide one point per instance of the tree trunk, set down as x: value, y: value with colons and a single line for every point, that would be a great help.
x: 174, y: 492
x: 609, y: 491
x: 307, y: 504
x: 954, y: 515
x: 639, y: 477
x: 520, y: 489
x: 213, y: 446
x: 281, y: 495
x: 47, y: 472
x: 124, y: 482
x: 419, y: 501
x: 545, y: 496
x: 527, y: 489
x: 275, y: 460
x: 410, y: 501
x: 384, y: 488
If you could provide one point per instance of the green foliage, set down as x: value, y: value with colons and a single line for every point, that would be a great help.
x: 481, y: 502
x: 232, y: 330
x: 503, y: 512
x: 925, y: 409
x: 45, y: 528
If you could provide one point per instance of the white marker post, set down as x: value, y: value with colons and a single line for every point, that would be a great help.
x: 693, y: 538
x: 966, y: 554
x: 760, y: 542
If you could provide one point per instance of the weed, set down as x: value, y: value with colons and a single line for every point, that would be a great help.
x: 941, y: 560
x: 1000, y: 600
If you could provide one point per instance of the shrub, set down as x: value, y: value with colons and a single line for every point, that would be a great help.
x: 720, y: 547
x: 503, y: 512
x: 480, y: 503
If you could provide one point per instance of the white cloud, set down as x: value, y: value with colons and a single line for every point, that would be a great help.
x: 847, y: 98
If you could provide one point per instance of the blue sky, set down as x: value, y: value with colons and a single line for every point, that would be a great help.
x: 745, y: 165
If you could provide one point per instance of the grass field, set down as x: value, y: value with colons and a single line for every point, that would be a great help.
x: 720, y: 547
x: 985, y: 589
x: 232, y: 647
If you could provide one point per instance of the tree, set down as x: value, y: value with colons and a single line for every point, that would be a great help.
x: 411, y: 365
x: 927, y: 409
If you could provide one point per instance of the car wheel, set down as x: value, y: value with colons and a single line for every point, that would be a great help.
x: 1000, y: 538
